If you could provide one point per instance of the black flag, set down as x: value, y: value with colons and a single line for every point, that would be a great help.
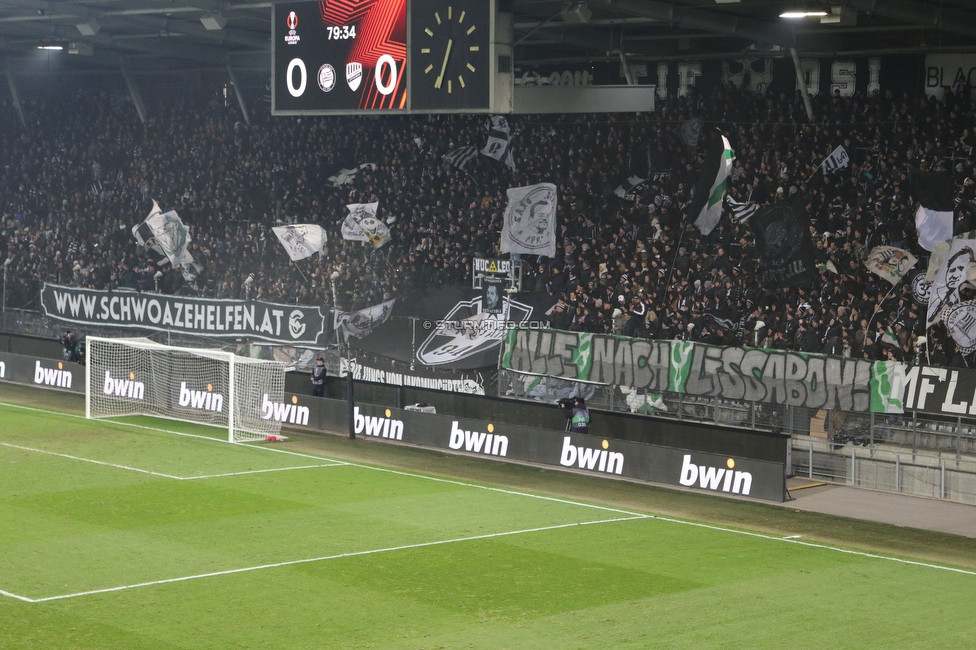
x: 783, y: 241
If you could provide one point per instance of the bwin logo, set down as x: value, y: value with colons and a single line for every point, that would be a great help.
x: 490, y: 443
x: 288, y: 413
x: 601, y: 460
x: 379, y: 427
x: 51, y: 377
x: 715, y: 478
x: 124, y: 387
x: 203, y: 400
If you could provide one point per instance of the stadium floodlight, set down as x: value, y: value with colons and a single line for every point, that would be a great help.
x: 138, y: 376
x: 802, y: 14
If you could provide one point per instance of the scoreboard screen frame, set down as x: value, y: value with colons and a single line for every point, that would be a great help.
x: 310, y: 55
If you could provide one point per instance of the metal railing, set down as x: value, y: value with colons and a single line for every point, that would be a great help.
x: 913, y: 453
x: 887, y: 467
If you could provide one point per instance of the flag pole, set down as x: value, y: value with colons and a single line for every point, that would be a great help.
x: 878, y: 308
x: 300, y: 271
x: 815, y: 172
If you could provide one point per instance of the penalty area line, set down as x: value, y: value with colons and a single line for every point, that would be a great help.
x: 324, y: 558
x: 9, y: 594
x: 170, y: 476
x: 89, y: 460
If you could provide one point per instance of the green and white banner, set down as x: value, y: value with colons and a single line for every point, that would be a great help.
x: 752, y: 375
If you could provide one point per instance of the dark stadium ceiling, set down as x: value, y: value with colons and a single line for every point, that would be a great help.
x: 173, y: 35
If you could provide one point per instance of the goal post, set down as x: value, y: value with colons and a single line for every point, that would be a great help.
x: 138, y: 376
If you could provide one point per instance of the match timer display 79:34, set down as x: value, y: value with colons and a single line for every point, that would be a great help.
x: 372, y: 56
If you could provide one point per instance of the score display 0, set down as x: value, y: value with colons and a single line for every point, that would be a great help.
x: 339, y: 56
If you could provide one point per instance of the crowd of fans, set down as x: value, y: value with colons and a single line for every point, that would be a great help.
x: 73, y: 185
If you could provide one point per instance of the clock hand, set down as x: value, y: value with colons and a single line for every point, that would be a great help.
x: 447, y: 54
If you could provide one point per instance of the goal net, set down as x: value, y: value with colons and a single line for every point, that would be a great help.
x: 138, y: 376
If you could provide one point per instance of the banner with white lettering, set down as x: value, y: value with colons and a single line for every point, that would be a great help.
x: 952, y: 71
x: 947, y: 391
x: 221, y: 319
x: 451, y: 382
x: 772, y: 376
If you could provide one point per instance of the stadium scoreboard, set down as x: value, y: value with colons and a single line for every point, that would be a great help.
x: 383, y: 56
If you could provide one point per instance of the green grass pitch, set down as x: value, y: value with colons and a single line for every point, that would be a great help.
x: 124, y: 535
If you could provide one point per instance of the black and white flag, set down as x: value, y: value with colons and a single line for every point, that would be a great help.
x: 530, y: 220
x: 783, y: 243
x: 361, y: 224
x: 952, y: 273
x: 461, y: 156
x: 741, y: 210
x: 934, y: 193
x: 347, y: 176
x: 301, y: 241
x: 361, y: 324
x: 628, y: 188
x: 165, y: 233
x: 960, y: 321
x: 836, y: 160
x: 499, y: 141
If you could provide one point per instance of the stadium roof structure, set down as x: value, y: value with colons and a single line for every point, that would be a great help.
x: 173, y: 35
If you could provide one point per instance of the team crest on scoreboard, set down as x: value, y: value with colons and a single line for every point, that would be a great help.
x: 326, y: 78
x: 354, y: 75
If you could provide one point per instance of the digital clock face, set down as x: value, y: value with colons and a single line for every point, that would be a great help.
x: 451, y: 48
x: 343, y: 56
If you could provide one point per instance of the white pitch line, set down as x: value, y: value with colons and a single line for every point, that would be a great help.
x: 12, y: 595
x: 242, y: 445
x: 534, y: 496
x: 257, y: 471
x: 324, y: 558
x: 349, y: 464
x: 177, y: 478
x: 89, y: 460
x: 826, y: 547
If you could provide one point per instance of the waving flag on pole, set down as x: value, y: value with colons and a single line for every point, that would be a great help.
x: 934, y: 193
x: 836, y: 160
x: 301, y: 241
x: 890, y: 263
x: 165, y: 233
x: 499, y: 141
x: 361, y: 224
x: 741, y: 210
x: 461, y: 156
x: 628, y: 188
x: 710, y: 191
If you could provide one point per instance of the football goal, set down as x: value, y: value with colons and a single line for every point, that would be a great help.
x: 138, y: 376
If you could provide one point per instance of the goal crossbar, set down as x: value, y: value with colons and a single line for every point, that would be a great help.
x: 138, y: 376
